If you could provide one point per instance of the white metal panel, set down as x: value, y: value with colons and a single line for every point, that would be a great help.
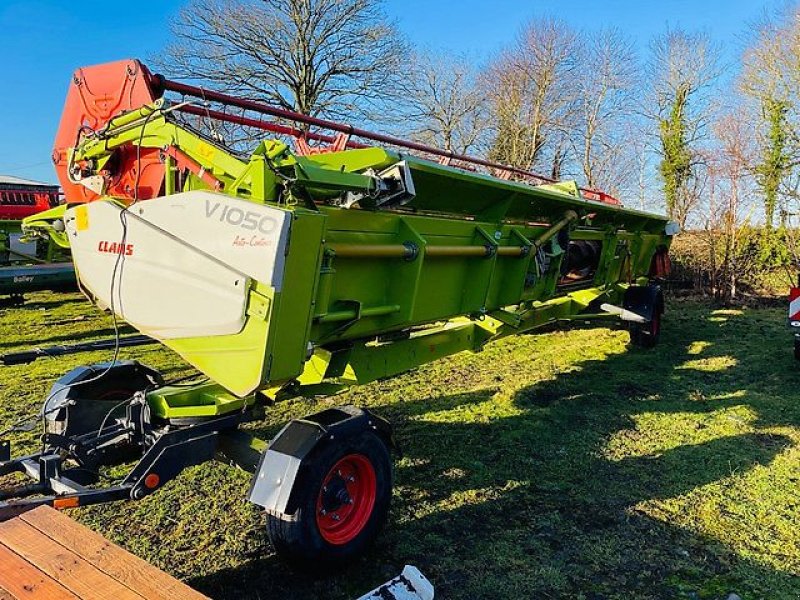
x: 184, y: 267
x: 247, y: 236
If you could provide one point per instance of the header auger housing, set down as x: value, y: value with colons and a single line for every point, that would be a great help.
x: 284, y: 272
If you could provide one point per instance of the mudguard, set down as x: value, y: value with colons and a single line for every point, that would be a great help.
x: 645, y: 301
x: 78, y: 401
x: 281, y: 463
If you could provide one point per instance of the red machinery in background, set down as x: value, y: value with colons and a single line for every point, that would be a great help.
x: 20, y: 198
x: 29, y: 265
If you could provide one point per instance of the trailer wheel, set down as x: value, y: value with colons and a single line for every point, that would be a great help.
x: 645, y: 335
x: 797, y: 349
x: 342, y: 502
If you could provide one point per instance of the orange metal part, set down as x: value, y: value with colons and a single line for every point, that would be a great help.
x: 184, y: 162
x: 96, y: 94
x: 68, y: 502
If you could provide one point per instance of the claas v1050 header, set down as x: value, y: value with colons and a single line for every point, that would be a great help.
x: 281, y: 272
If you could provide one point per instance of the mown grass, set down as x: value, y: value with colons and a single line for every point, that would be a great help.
x: 558, y: 465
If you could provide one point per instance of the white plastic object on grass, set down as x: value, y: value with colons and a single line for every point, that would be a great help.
x: 409, y: 585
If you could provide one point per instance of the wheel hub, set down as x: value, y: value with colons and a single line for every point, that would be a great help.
x: 346, y: 500
x: 335, y: 494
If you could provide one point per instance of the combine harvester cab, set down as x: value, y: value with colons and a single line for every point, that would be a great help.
x: 299, y: 272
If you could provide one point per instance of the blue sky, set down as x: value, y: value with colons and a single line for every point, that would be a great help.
x: 43, y: 41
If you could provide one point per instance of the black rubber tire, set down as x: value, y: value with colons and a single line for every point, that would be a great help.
x: 797, y: 349
x: 646, y: 335
x: 297, y: 538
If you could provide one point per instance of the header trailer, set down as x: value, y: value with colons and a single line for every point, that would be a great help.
x: 278, y: 272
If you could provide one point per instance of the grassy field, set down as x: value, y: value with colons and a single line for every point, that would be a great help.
x: 559, y: 465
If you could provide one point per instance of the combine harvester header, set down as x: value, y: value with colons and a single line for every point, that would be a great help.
x: 279, y: 272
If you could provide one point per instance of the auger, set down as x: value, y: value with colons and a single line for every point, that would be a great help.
x: 277, y: 273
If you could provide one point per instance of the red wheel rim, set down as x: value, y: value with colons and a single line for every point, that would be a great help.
x: 655, y: 324
x: 346, y: 499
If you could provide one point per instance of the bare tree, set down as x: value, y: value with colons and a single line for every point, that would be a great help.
x: 769, y: 77
x: 445, y: 105
x: 769, y: 60
x: 606, y: 133
x: 682, y: 68
x: 729, y: 166
x: 334, y: 58
x: 532, y: 88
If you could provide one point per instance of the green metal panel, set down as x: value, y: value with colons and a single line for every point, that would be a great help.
x: 288, y: 346
x: 454, y: 191
x: 201, y: 400
x: 239, y: 361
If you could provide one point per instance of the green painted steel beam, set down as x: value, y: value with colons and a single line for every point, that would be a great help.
x: 194, y: 401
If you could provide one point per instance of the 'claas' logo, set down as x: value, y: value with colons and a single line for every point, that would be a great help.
x: 115, y: 248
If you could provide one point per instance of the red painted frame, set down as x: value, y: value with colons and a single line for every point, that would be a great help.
x: 16, y: 203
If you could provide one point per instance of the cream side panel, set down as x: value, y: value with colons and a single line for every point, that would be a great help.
x: 248, y: 237
x: 184, y: 267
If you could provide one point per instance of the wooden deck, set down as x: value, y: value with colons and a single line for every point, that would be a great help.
x: 45, y: 555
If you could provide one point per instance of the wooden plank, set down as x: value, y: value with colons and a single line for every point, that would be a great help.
x: 63, y: 565
x: 21, y: 580
x: 4, y: 595
x: 120, y: 564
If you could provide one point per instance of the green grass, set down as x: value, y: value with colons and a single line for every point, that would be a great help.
x: 559, y: 465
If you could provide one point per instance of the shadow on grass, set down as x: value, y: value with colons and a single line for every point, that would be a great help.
x: 531, y: 505
x: 101, y: 333
x: 50, y: 300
